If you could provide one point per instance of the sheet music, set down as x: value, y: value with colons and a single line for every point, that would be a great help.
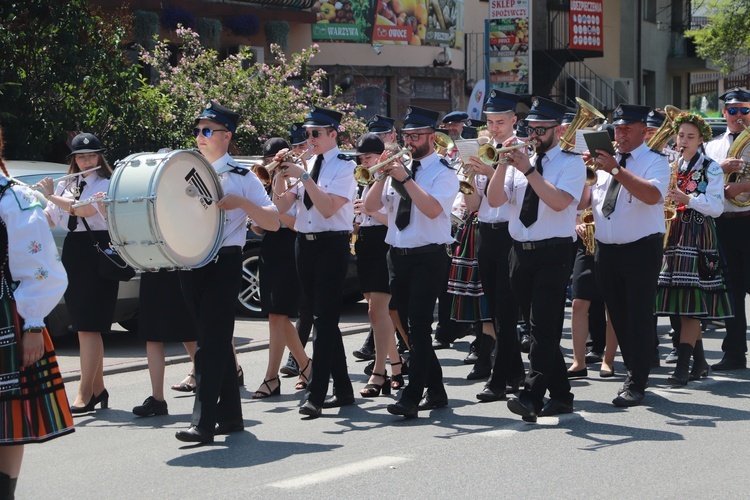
x: 467, y: 148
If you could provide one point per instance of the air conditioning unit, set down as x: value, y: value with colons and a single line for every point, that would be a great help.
x: 258, y: 53
x: 624, y: 92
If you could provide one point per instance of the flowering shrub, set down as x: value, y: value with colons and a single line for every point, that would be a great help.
x: 262, y: 94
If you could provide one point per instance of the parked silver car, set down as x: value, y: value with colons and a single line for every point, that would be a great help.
x: 58, y: 322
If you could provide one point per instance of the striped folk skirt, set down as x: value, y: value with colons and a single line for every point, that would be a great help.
x: 692, y: 278
x: 469, y: 303
x: 33, y: 404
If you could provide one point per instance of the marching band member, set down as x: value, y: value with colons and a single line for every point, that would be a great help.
x: 372, y: 271
x: 324, y: 222
x: 211, y: 290
x: 279, y: 290
x: 691, y: 285
x: 495, y: 244
x: 471, y: 128
x: 453, y: 123
x: 733, y: 229
x: 543, y: 200
x: 627, y: 201
x: 418, y: 206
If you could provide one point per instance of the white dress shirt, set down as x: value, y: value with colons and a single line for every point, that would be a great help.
x: 248, y: 186
x: 566, y: 172
x: 94, y: 184
x: 487, y: 213
x: 632, y: 218
x: 710, y: 203
x: 440, y: 182
x: 32, y: 256
x: 717, y: 150
x: 367, y: 220
x: 336, y: 177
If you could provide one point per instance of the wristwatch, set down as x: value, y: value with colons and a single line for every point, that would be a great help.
x: 407, y: 178
x: 34, y: 330
x: 615, y: 171
x: 530, y: 171
x: 304, y: 177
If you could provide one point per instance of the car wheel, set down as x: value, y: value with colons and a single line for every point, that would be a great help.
x: 248, y: 301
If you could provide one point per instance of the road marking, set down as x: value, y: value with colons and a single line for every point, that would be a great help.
x: 338, y: 472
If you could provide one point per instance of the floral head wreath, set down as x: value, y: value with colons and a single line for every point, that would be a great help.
x: 695, y: 119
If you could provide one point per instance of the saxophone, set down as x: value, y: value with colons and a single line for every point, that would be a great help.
x: 587, y: 219
x: 736, y: 150
x: 670, y: 207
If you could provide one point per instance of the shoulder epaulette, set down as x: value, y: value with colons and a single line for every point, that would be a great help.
x: 660, y: 153
x: 237, y: 169
x: 446, y: 163
x: 571, y: 152
x: 346, y: 157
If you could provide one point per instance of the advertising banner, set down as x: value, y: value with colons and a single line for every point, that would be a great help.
x: 419, y: 22
x: 586, y: 22
x: 509, y: 40
x: 343, y: 21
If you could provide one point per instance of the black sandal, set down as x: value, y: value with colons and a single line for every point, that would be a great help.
x: 397, y: 381
x: 302, y: 385
x: 183, y: 387
x: 373, y: 390
x: 263, y: 395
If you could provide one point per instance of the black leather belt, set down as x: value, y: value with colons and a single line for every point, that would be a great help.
x: 534, y: 245
x: 655, y: 236
x: 494, y: 225
x: 735, y: 215
x: 234, y: 249
x: 321, y: 235
x: 433, y: 247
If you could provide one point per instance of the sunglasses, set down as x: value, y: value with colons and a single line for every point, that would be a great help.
x: 207, y: 132
x: 733, y: 111
x: 414, y: 137
x: 540, y: 131
x: 314, y: 133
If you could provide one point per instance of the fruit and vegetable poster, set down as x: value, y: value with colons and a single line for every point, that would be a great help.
x: 419, y: 22
x: 343, y: 21
x: 509, y: 57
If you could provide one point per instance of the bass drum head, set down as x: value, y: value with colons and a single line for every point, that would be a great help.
x: 191, y: 227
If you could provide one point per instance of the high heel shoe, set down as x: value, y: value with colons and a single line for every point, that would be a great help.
x: 373, y: 390
x: 302, y: 384
x: 263, y: 395
x: 397, y: 381
x: 102, y: 400
x: 86, y: 408
x: 241, y: 376
x: 185, y: 387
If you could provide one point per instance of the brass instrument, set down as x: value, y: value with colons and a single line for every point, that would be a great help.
x: 585, y: 114
x: 736, y: 151
x: 665, y: 131
x: 587, y: 219
x: 443, y: 143
x: 591, y: 167
x: 489, y: 155
x: 265, y: 172
x: 366, y: 176
x: 670, y: 207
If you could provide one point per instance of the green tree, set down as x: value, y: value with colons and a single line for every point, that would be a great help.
x: 63, y: 70
x: 727, y: 36
x: 269, y: 97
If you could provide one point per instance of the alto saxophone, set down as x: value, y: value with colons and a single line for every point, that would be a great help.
x: 587, y: 219
x: 670, y: 207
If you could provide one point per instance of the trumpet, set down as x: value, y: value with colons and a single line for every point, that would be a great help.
x: 265, y: 172
x: 366, y: 176
x: 489, y: 155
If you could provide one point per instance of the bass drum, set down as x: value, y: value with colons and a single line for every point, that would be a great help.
x: 161, y: 212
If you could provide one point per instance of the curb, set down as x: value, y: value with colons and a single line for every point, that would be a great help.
x: 175, y: 360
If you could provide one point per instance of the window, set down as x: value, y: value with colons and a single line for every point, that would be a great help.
x: 649, y: 10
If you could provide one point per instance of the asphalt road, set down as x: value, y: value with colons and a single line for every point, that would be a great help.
x: 689, y: 442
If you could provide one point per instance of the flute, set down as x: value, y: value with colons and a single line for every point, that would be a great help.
x: 65, y: 177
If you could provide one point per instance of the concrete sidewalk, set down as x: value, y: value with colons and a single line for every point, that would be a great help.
x: 124, y: 352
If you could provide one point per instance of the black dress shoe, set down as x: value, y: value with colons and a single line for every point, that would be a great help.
x: 574, y: 374
x: 488, y: 395
x: 555, y: 407
x: 408, y: 410
x: 514, y: 385
x: 628, y: 398
x: 337, y: 401
x: 431, y: 401
x: 151, y: 406
x: 524, y: 407
x: 526, y: 343
x: 229, y: 427
x: 440, y: 344
x: 369, y: 368
x: 310, y: 409
x: 364, y: 353
x: 593, y: 357
x: 195, y: 435
x: 606, y: 373
x: 730, y: 363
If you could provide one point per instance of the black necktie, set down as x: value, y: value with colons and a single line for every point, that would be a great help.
x: 530, y: 206
x: 733, y: 136
x: 73, y: 219
x: 314, y: 174
x: 610, y: 199
x: 403, y: 215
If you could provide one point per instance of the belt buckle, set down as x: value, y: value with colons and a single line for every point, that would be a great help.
x: 527, y: 245
x: 310, y: 236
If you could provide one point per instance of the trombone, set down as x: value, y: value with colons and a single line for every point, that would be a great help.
x: 366, y: 175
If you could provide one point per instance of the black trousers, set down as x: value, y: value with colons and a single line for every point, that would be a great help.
x: 416, y: 280
x: 211, y: 291
x: 627, y: 276
x: 494, y: 271
x: 539, y: 279
x: 321, y: 266
x: 734, y: 240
